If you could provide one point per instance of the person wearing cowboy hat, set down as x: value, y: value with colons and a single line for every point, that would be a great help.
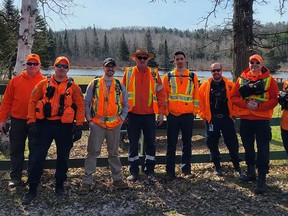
x: 146, y: 97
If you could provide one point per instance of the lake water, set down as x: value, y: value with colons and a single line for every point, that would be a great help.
x: 99, y: 72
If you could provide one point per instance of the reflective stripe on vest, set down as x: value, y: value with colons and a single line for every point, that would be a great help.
x: 265, y: 95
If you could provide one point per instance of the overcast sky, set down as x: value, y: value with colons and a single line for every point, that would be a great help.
x: 181, y: 15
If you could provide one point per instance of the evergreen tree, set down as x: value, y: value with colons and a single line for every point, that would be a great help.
x: 96, y: 51
x: 66, y: 47
x: 106, y: 49
x: 150, y: 48
x: 166, y: 57
x: 76, y: 51
x: 86, y: 46
x: 43, y: 44
x: 123, y: 50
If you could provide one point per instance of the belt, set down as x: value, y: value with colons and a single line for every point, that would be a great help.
x: 219, y: 116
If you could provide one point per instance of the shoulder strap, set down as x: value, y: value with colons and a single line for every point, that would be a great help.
x: 118, y: 87
x: 191, y: 76
x: 95, y: 85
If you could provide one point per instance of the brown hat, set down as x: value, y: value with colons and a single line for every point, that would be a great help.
x: 141, y: 51
x: 60, y: 58
x: 256, y: 57
x: 34, y: 57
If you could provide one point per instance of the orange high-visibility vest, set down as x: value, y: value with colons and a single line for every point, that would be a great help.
x: 153, y: 87
x: 107, y: 104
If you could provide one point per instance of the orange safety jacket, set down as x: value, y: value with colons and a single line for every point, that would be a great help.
x: 284, y: 116
x: 182, y: 95
x: 106, y: 104
x: 153, y: 87
x: 268, y: 100
x: 65, y: 94
x: 204, y: 95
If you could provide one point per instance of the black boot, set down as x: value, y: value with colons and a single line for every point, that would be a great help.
x: 251, y: 174
x: 218, y: 169
x: 31, y: 195
x: 59, y: 188
x: 261, y: 183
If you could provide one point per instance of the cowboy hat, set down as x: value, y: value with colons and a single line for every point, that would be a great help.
x: 141, y: 51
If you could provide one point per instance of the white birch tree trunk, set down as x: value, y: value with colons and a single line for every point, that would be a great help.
x: 26, y: 33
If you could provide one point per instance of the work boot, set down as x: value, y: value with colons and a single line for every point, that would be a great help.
x: 30, y: 196
x: 84, y: 189
x: 251, y: 174
x: 261, y: 184
x: 120, y: 184
x: 218, y: 169
x: 59, y: 189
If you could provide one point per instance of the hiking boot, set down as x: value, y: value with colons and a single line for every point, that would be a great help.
x: 261, y: 184
x: 251, y: 174
x: 169, y: 177
x: 218, y: 171
x: 120, y: 184
x: 133, y: 178
x: 29, y: 197
x: 84, y: 189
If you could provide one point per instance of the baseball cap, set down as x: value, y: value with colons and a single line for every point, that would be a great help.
x: 33, y: 56
x: 62, y: 58
x: 256, y: 57
x: 109, y: 61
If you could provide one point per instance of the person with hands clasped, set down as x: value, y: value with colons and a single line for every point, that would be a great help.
x: 218, y: 113
x: 15, y: 102
x: 54, y: 104
x: 255, y: 94
x: 106, y: 105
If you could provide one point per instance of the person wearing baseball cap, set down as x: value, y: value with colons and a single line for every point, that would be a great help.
x: 51, y: 114
x: 15, y: 104
x: 106, y: 107
x: 255, y: 94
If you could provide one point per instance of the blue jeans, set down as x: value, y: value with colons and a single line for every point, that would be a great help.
x: 48, y: 131
x: 184, y: 123
x: 146, y: 123
x: 261, y: 130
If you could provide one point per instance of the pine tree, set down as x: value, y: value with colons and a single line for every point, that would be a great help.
x: 166, y: 57
x: 96, y: 51
x: 123, y: 50
x: 66, y: 47
x: 150, y: 48
x: 86, y: 46
x: 76, y: 51
x: 106, y: 49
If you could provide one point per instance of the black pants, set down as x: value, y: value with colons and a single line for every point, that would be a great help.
x: 184, y: 123
x: 284, y: 135
x: 261, y: 131
x: 225, y: 126
x: 146, y: 123
x: 18, y: 135
x: 47, y: 132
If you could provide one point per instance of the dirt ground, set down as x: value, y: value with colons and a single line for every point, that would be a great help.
x: 206, y: 194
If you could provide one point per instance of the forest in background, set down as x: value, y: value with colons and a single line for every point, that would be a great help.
x: 89, y: 46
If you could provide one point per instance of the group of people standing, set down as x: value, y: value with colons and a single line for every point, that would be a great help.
x: 47, y: 109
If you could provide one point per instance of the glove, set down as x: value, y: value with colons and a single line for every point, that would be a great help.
x: 3, y: 127
x: 32, y: 129
x: 77, y: 133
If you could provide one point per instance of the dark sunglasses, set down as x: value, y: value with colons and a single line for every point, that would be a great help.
x: 32, y: 63
x: 142, y: 57
x: 62, y: 65
x: 216, y: 70
x: 254, y: 62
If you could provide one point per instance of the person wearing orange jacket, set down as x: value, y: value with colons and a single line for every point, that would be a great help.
x: 106, y: 107
x: 182, y: 93
x: 283, y: 101
x: 255, y: 93
x: 15, y: 103
x: 54, y: 104
x: 146, y: 98
x: 218, y: 113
